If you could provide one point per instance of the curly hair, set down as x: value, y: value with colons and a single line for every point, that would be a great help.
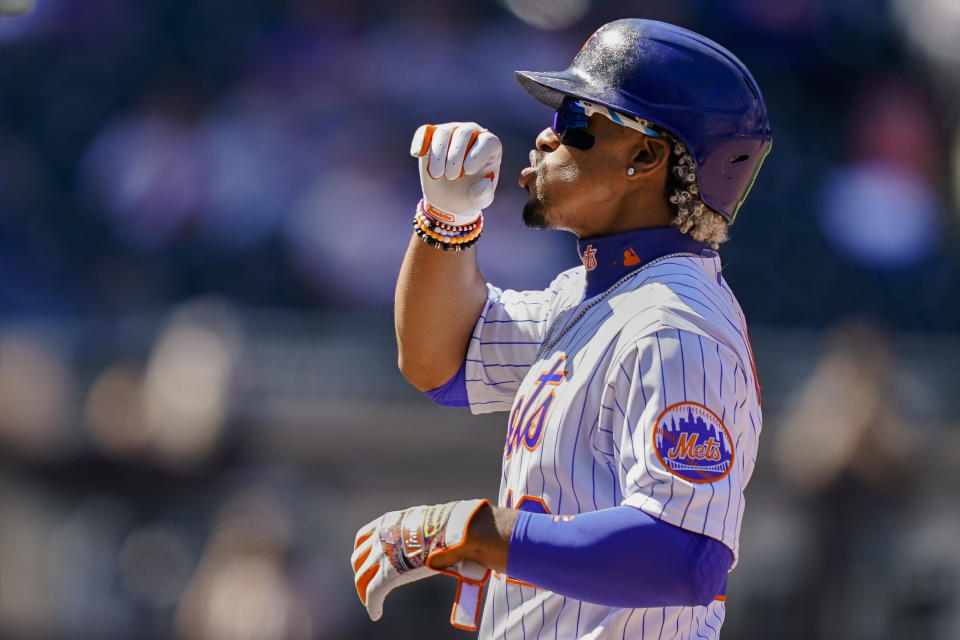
x: 691, y: 214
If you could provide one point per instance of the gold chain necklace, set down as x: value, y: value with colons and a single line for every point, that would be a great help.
x: 601, y: 297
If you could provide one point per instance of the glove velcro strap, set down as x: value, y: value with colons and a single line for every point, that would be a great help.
x: 443, y: 217
x: 470, y: 575
x: 466, y: 608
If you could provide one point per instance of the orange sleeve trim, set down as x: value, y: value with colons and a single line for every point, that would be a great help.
x: 521, y: 583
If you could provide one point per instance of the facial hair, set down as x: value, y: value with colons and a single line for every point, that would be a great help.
x: 534, y: 210
x: 534, y: 214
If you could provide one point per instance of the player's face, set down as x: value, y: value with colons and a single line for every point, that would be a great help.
x: 578, y: 189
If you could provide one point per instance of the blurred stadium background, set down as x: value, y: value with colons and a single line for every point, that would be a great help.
x: 203, y: 207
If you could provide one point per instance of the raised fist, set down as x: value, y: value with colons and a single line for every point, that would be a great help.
x: 459, y: 169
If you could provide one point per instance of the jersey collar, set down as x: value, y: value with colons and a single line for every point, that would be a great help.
x: 609, y: 258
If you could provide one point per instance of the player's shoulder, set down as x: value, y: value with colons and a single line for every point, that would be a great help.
x: 563, y: 285
x: 572, y: 278
x: 683, y: 293
x: 684, y: 285
x: 700, y: 274
x: 567, y: 288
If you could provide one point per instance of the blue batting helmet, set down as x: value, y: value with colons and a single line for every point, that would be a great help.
x: 682, y: 82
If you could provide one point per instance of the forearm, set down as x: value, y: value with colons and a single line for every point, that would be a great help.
x: 439, y: 296
x: 619, y: 556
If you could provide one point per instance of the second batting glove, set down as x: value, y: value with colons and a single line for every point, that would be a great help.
x: 397, y: 548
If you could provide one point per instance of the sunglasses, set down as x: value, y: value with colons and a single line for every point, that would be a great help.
x: 570, y: 122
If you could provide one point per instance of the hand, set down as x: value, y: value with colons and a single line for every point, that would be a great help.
x: 459, y: 169
x: 397, y: 548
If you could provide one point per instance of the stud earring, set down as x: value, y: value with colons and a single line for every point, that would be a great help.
x: 630, y: 171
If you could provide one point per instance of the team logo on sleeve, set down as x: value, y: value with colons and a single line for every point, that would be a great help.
x: 692, y: 443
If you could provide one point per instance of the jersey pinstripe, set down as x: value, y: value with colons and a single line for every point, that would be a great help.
x: 588, y: 424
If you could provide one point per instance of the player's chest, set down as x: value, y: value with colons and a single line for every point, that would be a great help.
x: 552, y: 404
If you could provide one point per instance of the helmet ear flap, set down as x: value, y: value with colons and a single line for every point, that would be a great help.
x: 731, y: 169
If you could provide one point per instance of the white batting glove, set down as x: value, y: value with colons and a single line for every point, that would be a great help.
x: 396, y: 549
x: 459, y: 169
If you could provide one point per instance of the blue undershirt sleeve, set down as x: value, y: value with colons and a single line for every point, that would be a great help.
x: 453, y: 393
x: 618, y: 557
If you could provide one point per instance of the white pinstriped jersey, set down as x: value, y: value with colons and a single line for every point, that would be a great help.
x: 650, y: 399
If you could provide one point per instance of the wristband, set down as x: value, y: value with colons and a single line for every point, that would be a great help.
x: 443, y: 235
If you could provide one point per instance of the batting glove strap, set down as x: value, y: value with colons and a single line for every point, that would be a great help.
x: 396, y: 549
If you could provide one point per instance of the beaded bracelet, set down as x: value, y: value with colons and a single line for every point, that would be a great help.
x: 446, y: 236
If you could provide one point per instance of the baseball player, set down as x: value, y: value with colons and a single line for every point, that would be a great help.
x: 633, y: 409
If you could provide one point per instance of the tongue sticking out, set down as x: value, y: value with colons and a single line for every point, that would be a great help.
x: 525, y: 175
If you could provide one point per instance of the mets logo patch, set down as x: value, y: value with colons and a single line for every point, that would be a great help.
x: 692, y: 443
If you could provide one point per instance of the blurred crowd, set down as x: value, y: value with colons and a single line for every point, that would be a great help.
x: 203, y: 208
x: 154, y: 150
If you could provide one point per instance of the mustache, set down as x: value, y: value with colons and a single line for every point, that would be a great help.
x: 534, y: 157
